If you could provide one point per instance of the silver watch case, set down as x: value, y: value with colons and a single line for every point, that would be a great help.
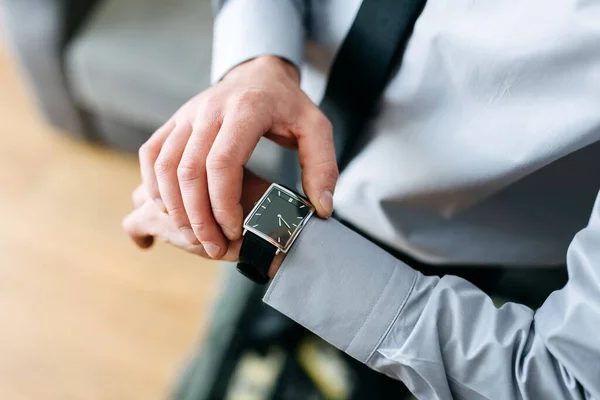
x: 280, y: 248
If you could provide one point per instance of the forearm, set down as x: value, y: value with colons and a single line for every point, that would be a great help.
x: 444, y: 337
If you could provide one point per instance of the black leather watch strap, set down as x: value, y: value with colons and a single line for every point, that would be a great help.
x: 256, y: 257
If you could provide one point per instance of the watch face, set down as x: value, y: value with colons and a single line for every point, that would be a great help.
x: 279, y: 215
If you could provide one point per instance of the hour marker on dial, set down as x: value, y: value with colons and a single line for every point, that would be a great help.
x: 278, y: 240
x: 289, y: 232
x: 264, y: 207
x: 302, y: 206
x: 257, y: 214
x: 290, y: 200
x: 295, y: 225
x: 278, y: 193
x: 299, y: 217
x: 269, y: 199
x: 254, y: 226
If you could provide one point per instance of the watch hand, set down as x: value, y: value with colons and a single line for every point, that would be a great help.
x: 286, y: 224
x: 279, y: 219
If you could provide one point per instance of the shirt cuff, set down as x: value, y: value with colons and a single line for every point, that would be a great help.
x: 342, y: 287
x: 246, y: 29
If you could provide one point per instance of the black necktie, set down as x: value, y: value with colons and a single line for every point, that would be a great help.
x: 370, y: 52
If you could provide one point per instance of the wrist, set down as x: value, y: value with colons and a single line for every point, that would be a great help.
x: 268, y: 234
x: 272, y: 65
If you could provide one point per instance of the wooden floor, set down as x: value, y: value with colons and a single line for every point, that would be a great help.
x: 83, y: 313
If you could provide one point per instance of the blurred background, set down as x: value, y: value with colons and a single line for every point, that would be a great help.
x: 84, y: 314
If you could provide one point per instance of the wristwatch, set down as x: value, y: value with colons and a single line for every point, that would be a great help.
x: 271, y: 228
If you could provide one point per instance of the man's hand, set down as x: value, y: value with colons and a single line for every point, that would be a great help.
x: 147, y: 222
x: 192, y: 166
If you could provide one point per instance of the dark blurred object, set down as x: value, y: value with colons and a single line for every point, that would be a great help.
x: 253, y: 352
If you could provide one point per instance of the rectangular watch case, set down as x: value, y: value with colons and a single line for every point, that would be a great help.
x: 298, y: 229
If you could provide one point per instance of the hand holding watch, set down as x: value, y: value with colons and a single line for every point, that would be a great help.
x: 270, y: 229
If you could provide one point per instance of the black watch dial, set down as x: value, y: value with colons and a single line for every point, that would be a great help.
x: 279, y: 215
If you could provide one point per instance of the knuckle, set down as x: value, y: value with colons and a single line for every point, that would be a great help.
x: 225, y: 215
x: 249, y: 98
x: 220, y: 214
x: 177, y: 213
x: 207, y: 116
x: 210, y: 100
x: 218, y: 161
x: 316, y: 124
x: 187, y: 171
x: 163, y: 166
x: 200, y: 227
x: 320, y: 121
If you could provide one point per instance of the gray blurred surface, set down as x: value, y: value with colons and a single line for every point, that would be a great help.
x: 112, y: 71
x: 140, y: 60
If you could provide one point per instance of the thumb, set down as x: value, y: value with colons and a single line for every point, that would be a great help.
x: 134, y: 230
x: 316, y: 154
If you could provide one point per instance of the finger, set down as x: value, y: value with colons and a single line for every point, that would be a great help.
x: 233, y: 251
x: 139, y: 196
x: 134, y: 230
x: 194, y: 187
x: 316, y: 154
x: 166, y: 176
x: 231, y: 150
x: 148, y: 154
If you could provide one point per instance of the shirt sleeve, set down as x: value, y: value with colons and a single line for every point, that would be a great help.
x: 443, y: 337
x: 245, y: 29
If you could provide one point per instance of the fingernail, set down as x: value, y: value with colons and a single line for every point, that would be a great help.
x: 161, y: 206
x: 189, y: 235
x: 229, y: 233
x: 326, y: 201
x: 212, y: 249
